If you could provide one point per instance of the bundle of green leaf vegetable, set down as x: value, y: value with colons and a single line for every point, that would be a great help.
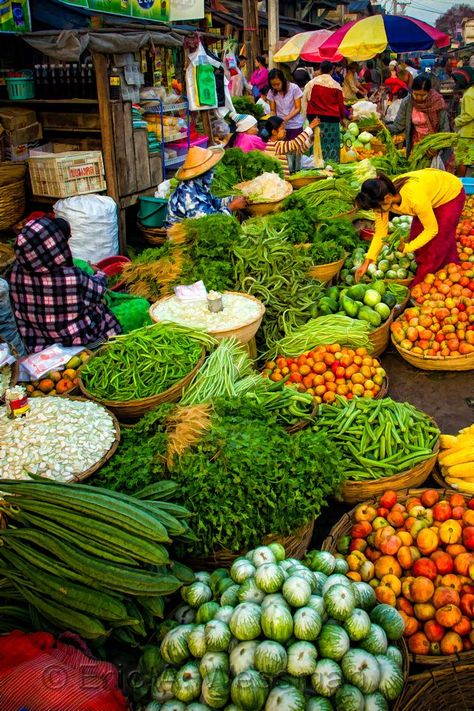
x: 422, y: 154
x: 145, y: 362
x: 378, y: 438
x: 237, y: 167
x: 90, y: 560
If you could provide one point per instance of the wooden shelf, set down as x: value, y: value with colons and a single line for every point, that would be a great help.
x: 50, y: 101
x: 72, y: 130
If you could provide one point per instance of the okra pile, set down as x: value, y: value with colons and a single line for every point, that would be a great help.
x: 378, y: 438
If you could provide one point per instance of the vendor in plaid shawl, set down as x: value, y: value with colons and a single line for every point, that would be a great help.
x: 53, y: 301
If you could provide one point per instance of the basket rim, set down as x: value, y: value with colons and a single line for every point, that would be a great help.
x: 330, y: 264
x: 347, y: 519
x: 220, y: 330
x: 436, y: 359
x: 139, y: 401
x: 110, y: 452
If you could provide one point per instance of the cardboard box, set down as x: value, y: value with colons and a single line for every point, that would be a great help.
x: 14, y: 117
x: 19, y: 153
x: 27, y: 134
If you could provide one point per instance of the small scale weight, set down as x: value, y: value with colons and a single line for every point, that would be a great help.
x: 214, y: 302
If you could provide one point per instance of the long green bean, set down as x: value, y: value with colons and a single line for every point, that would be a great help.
x: 144, y: 362
x: 395, y: 436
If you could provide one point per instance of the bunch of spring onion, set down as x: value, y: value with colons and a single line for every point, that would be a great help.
x: 324, y: 330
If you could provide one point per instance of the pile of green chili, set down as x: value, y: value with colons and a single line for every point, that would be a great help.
x: 379, y: 438
x: 145, y: 362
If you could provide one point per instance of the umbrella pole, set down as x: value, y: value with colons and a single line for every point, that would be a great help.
x: 273, y: 29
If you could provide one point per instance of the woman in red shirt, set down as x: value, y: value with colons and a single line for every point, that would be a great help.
x: 323, y: 99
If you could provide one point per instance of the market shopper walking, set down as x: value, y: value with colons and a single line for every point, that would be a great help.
x: 284, y: 98
x: 422, y: 114
x: 434, y: 198
x: 352, y: 88
x: 259, y: 78
x: 464, y: 122
x: 324, y: 100
x: 193, y: 197
x: 54, y: 301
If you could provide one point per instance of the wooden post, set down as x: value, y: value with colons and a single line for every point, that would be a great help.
x: 273, y: 28
x: 108, y: 143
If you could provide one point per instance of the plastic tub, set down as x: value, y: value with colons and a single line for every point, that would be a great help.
x: 152, y: 212
x: 181, y: 147
x: 111, y: 266
x: 468, y: 185
x: 20, y: 88
x: 366, y: 234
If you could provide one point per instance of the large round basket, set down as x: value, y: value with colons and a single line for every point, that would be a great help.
x: 400, y: 308
x: 103, y: 460
x: 155, y: 236
x: 343, y: 528
x: 295, y: 545
x: 297, y: 183
x: 7, y: 257
x: 380, y: 337
x: 461, y: 362
x: 132, y: 410
x: 243, y: 333
x: 448, y: 687
x: 402, y: 282
x: 265, y: 208
x: 12, y: 203
x: 326, y: 272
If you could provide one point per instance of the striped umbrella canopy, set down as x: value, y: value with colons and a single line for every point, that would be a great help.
x: 365, y: 38
x: 304, y: 45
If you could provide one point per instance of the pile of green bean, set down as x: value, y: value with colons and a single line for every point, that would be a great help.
x: 274, y: 271
x: 331, y: 189
x: 379, y: 438
x: 144, y: 362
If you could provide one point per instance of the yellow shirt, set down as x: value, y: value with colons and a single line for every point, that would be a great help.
x: 425, y: 190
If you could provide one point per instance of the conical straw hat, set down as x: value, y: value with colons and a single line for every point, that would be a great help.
x: 199, y: 161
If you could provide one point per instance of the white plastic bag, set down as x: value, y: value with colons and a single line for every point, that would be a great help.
x: 438, y: 162
x: 94, y: 226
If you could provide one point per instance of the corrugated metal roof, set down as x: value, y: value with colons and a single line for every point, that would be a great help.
x: 358, y: 5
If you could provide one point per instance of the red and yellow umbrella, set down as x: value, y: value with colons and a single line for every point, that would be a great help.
x: 365, y: 38
x: 304, y: 45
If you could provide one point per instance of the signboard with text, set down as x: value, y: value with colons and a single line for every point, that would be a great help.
x: 151, y: 10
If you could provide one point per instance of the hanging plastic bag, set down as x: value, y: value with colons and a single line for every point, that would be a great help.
x: 94, y: 226
x: 438, y: 162
x: 197, y: 59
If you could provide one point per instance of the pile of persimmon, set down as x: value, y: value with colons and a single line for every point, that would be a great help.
x: 331, y: 370
x: 442, y: 322
x: 419, y: 558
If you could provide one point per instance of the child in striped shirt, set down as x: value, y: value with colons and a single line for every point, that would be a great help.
x: 277, y: 147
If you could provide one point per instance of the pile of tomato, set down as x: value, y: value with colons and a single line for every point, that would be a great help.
x: 442, y: 322
x: 331, y: 370
x: 465, y: 232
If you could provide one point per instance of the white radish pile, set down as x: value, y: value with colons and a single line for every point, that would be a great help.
x: 58, y: 438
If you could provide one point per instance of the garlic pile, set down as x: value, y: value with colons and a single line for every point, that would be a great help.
x: 57, y: 439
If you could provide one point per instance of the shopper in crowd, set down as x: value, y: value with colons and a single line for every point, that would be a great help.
x: 404, y: 75
x: 434, y: 198
x: 421, y: 114
x: 8, y: 328
x: 238, y: 83
x: 275, y: 134
x: 285, y: 101
x: 338, y: 73
x: 301, y: 76
x: 352, y: 88
x: 259, y: 78
x: 464, y: 122
x: 392, y: 68
x: 263, y: 101
x: 372, y: 76
x: 393, y: 108
x: 411, y: 68
x: 385, y: 69
x: 326, y: 102
x: 54, y: 301
x: 246, y: 133
x: 193, y: 198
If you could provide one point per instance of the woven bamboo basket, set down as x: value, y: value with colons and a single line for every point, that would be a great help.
x: 381, y: 336
x: 265, y: 208
x: 243, y: 333
x: 132, y: 410
x: 297, y: 183
x: 462, y: 362
x: 12, y: 203
x: 103, y: 460
x: 326, y: 272
x: 7, y: 257
x: 295, y: 544
x: 155, y: 236
x: 343, y: 528
x: 402, y: 282
x: 400, y: 308
x: 448, y: 687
